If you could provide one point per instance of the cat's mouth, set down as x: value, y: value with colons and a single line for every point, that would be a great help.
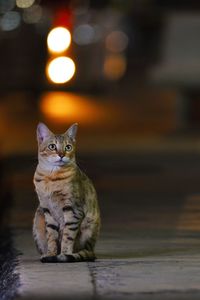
x: 61, y: 162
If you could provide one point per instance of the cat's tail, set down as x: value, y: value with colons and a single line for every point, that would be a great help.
x: 83, y: 255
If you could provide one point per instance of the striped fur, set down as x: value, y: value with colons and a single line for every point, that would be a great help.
x: 67, y: 220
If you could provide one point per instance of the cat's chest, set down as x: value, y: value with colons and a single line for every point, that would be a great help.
x: 57, y: 190
x: 54, y: 196
x: 47, y: 186
x: 55, y: 207
x: 53, y: 191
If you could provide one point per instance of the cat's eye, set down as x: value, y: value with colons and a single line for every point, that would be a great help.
x: 68, y: 147
x: 52, y: 147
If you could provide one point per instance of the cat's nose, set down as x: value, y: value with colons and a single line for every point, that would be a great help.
x: 61, y: 155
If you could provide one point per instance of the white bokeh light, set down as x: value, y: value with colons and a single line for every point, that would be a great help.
x: 60, y: 69
x: 10, y: 21
x: 58, y: 39
x: 24, y: 3
x: 32, y: 14
x: 86, y: 34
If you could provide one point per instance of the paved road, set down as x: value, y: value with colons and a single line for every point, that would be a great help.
x: 149, y: 246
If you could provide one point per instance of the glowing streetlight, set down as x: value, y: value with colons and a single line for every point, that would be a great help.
x: 58, y: 40
x: 60, y: 69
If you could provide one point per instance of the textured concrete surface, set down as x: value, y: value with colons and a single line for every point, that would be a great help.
x: 53, y: 281
x: 145, y: 265
x: 149, y: 246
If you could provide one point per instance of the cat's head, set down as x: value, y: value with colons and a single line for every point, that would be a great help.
x: 56, y: 150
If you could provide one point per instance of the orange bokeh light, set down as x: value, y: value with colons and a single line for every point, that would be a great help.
x: 115, y: 66
x: 69, y: 107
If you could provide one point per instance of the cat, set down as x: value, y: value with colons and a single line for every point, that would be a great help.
x: 67, y: 221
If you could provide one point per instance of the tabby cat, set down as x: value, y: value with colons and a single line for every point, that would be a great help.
x: 67, y: 220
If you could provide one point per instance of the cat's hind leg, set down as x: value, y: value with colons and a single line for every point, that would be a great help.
x: 84, y: 247
x: 86, y: 244
x: 39, y: 231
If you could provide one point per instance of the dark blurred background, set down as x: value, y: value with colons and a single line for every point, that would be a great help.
x: 136, y: 74
x: 129, y: 74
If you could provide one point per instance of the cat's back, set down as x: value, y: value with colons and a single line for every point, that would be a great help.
x: 88, y: 189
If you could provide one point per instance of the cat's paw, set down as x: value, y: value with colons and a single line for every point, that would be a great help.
x: 65, y: 258
x: 48, y: 259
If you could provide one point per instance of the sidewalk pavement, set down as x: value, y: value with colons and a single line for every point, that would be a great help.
x: 149, y: 247
x: 146, y: 265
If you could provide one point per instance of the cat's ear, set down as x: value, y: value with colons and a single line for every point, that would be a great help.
x: 43, y: 132
x: 71, y: 132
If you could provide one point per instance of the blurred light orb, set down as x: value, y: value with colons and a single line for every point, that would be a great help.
x: 85, y: 34
x: 6, y: 5
x: 58, y: 105
x: 117, y: 41
x: 70, y: 107
x: 58, y: 39
x: 24, y: 3
x: 32, y: 14
x: 61, y: 69
x: 10, y: 21
x: 115, y: 66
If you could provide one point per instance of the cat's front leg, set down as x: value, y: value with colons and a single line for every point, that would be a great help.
x: 71, y: 228
x: 52, y: 234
